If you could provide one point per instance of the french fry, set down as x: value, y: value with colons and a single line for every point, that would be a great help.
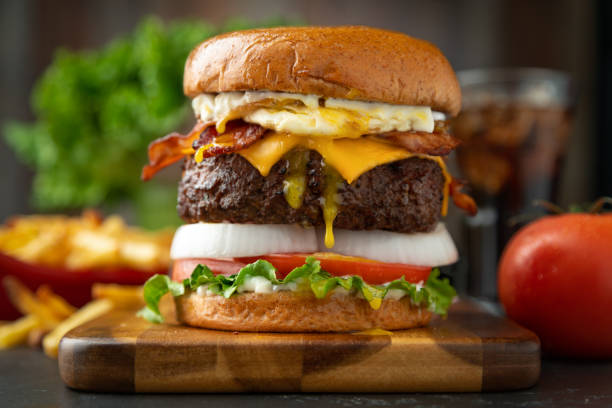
x: 56, y: 303
x: 35, y: 337
x: 25, y: 301
x: 16, y: 333
x: 89, y: 241
x: 122, y: 296
x: 91, y: 217
x: 88, y: 312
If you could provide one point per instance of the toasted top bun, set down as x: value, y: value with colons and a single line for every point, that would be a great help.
x: 349, y: 62
x: 296, y: 312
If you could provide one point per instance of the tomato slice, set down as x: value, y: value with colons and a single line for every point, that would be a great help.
x: 372, y: 272
x: 182, y: 268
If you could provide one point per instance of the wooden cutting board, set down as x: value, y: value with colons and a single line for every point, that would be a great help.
x: 471, y: 350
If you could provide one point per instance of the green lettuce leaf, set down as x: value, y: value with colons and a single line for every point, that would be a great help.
x: 436, y: 294
x: 154, y: 289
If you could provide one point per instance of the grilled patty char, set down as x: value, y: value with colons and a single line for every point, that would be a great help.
x: 403, y: 196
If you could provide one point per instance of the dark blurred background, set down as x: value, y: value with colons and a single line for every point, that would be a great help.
x: 571, y: 36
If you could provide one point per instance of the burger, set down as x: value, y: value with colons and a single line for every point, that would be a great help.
x: 313, y: 183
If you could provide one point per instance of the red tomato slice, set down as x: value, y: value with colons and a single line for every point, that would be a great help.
x: 340, y: 265
x: 182, y: 268
x: 372, y: 272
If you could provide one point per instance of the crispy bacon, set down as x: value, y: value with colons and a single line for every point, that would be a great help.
x: 238, y: 135
x: 170, y: 149
x: 462, y: 200
x: 438, y: 143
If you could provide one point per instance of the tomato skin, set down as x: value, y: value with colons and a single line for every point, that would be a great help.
x: 555, y: 278
x: 371, y: 271
x: 182, y: 268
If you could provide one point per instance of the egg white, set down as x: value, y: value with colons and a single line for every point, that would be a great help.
x: 312, y: 115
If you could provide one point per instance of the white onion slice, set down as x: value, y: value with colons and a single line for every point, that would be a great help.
x: 434, y: 248
x: 203, y: 240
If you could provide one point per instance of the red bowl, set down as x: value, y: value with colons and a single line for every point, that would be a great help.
x: 73, y: 285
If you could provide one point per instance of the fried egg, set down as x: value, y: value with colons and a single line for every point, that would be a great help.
x: 312, y: 115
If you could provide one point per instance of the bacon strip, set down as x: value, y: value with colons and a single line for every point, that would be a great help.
x: 434, y: 144
x: 170, y: 149
x: 238, y: 135
x: 462, y: 200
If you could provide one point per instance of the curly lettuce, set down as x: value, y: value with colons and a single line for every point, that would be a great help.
x: 436, y: 294
x: 96, y: 112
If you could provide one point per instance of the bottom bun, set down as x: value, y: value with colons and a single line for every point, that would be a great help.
x: 296, y: 312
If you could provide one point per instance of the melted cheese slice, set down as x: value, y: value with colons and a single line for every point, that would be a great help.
x: 350, y: 157
x: 312, y: 115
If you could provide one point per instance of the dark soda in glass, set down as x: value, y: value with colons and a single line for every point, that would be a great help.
x: 514, y: 127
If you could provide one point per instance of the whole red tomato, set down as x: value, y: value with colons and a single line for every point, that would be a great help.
x: 555, y: 278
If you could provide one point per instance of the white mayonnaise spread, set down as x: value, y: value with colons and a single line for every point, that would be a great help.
x: 204, y: 291
x: 259, y: 284
x: 395, y: 294
x: 312, y: 115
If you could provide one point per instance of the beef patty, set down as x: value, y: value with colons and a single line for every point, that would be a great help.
x: 403, y: 196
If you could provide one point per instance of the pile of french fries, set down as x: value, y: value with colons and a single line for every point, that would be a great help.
x: 84, y: 242
x: 48, y: 317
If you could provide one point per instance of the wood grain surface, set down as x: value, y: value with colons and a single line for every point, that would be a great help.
x: 471, y: 350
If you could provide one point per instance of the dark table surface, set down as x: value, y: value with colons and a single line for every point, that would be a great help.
x: 29, y: 379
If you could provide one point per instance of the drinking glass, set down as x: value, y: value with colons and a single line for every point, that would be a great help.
x: 514, y: 127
